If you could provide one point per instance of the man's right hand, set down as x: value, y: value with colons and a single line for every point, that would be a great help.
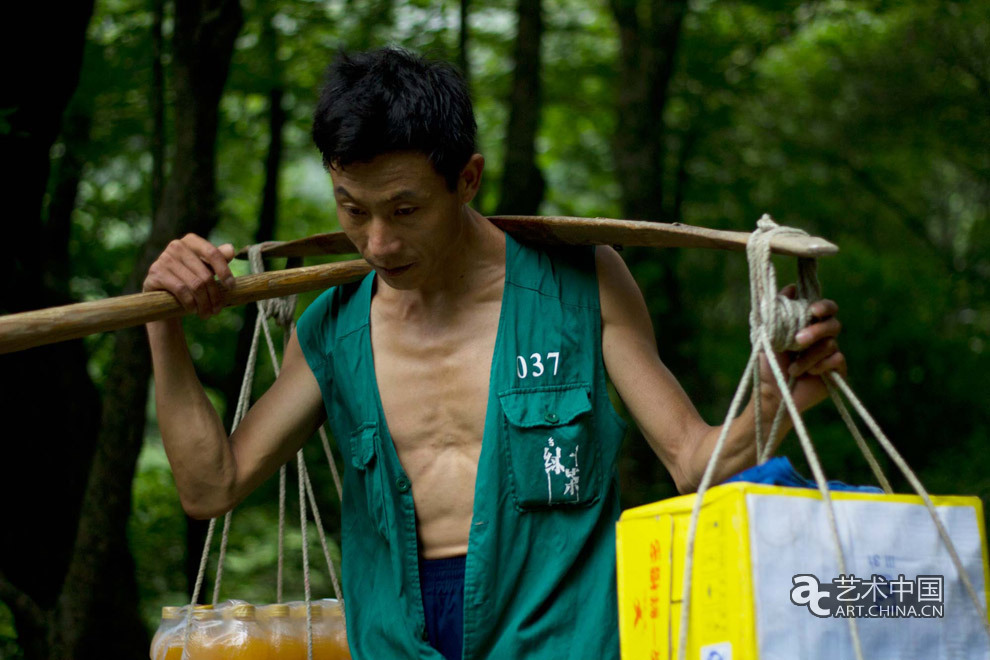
x: 194, y: 271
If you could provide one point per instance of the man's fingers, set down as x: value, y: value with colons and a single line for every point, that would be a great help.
x: 821, y: 309
x: 188, y: 268
x: 808, y: 336
x: 813, y: 355
x: 789, y: 291
x: 835, y: 362
x: 227, y: 252
x: 213, y: 256
x: 168, y: 281
x: 202, y: 274
x: 190, y: 283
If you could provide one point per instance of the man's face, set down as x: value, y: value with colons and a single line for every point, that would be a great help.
x: 400, y: 214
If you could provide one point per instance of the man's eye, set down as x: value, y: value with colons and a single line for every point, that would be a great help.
x: 406, y: 210
x: 353, y: 211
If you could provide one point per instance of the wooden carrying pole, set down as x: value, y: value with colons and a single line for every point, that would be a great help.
x: 562, y: 230
x: 46, y: 326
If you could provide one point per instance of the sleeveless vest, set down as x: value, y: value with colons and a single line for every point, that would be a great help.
x: 540, y: 569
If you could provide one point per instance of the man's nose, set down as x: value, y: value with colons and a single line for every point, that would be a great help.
x: 382, y: 240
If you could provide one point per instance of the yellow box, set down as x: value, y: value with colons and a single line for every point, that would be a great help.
x: 752, y: 539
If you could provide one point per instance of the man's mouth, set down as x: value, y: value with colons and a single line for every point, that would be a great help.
x: 394, y: 272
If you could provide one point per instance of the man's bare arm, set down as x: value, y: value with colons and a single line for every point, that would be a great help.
x: 213, y: 472
x: 662, y: 410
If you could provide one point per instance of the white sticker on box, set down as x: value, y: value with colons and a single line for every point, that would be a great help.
x: 790, y: 536
x: 720, y: 651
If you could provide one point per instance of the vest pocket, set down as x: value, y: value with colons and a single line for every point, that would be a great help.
x: 365, y: 457
x: 549, y: 444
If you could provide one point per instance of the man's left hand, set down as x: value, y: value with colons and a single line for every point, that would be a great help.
x: 819, y: 355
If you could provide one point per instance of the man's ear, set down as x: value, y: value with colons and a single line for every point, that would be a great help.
x: 470, y: 178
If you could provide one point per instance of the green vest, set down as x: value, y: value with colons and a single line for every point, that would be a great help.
x: 540, y: 570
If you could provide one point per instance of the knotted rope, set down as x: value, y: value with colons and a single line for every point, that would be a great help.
x: 282, y: 310
x: 774, y: 322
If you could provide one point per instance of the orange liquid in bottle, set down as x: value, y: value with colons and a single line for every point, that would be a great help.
x: 330, y: 648
x: 283, y: 642
x: 242, y: 638
x: 206, y: 627
x: 173, y: 653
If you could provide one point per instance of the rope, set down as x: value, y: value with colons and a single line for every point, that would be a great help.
x: 283, y: 310
x: 912, y: 478
x: 281, y: 532
x: 860, y: 442
x: 239, y: 412
x: 223, y: 555
x: 702, y: 487
x: 333, y: 463
x: 196, y: 589
x: 301, y: 471
x: 265, y: 307
x: 774, y: 322
x: 781, y: 318
x: 323, y: 539
x: 773, y: 439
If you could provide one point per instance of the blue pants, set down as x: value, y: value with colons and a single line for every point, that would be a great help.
x: 442, y: 581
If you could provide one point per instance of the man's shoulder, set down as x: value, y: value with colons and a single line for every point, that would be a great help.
x: 334, y: 313
x: 563, y: 271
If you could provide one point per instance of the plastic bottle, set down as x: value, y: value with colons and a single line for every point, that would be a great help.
x: 329, y: 640
x: 284, y: 641
x: 243, y: 637
x: 171, y: 617
x: 207, y: 626
x: 333, y: 630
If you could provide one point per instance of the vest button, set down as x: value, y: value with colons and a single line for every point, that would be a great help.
x: 551, y: 417
x: 402, y: 484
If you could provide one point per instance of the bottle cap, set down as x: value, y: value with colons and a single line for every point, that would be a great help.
x: 300, y: 610
x: 204, y: 613
x: 243, y: 612
x: 278, y: 610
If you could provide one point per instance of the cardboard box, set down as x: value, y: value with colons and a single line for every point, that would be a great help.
x: 752, y: 541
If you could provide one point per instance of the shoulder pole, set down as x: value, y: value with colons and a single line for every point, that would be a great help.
x: 36, y: 328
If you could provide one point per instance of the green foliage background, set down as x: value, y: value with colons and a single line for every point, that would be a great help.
x: 864, y: 121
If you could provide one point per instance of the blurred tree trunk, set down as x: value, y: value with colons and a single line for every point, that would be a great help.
x: 463, y: 61
x: 63, y: 192
x: 157, y: 105
x: 47, y: 390
x: 98, y: 614
x: 649, y: 32
x: 648, y: 35
x: 522, y: 181
x: 229, y: 383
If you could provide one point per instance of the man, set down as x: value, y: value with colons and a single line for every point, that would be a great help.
x: 465, y: 382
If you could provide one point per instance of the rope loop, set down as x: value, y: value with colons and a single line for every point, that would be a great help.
x: 777, y: 315
x: 283, y: 310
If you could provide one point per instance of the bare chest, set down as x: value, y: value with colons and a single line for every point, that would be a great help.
x: 433, y: 382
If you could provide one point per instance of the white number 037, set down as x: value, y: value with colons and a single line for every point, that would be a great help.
x: 535, y: 365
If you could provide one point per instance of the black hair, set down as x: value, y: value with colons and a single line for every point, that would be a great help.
x: 388, y: 100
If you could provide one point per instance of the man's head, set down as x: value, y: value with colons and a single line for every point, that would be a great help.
x: 390, y: 100
x: 397, y: 133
